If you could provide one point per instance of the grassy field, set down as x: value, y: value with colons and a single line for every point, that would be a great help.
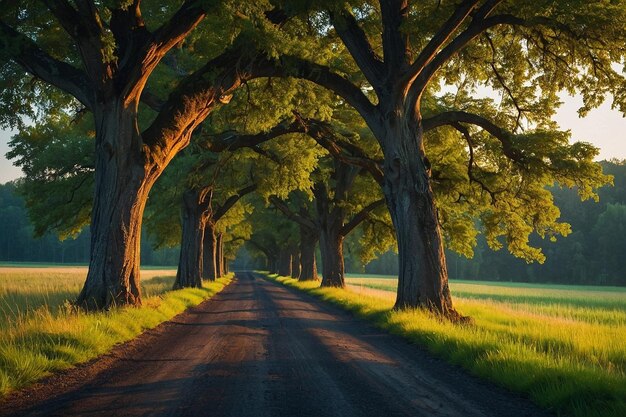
x: 41, y: 333
x: 563, y: 346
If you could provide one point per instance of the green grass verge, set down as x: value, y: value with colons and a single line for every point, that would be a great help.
x: 6, y: 264
x: 41, y: 333
x: 567, y: 357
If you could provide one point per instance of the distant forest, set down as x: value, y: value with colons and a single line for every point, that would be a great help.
x: 18, y: 243
x: 594, y: 253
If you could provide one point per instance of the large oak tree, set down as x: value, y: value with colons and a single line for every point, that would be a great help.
x: 402, y: 52
x: 103, y: 54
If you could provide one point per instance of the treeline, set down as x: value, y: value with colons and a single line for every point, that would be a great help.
x: 18, y: 243
x: 592, y: 254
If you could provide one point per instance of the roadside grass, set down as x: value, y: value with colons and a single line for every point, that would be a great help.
x: 563, y: 347
x: 40, y: 332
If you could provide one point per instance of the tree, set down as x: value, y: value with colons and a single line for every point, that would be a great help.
x: 527, y: 52
x: 338, y: 208
x: 298, y: 209
x: 103, y: 56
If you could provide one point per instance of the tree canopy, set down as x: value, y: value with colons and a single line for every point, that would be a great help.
x: 443, y: 109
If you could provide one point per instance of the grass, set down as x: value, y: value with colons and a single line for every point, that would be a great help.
x: 41, y: 333
x: 563, y: 346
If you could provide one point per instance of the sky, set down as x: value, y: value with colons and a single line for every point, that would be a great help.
x: 603, y: 127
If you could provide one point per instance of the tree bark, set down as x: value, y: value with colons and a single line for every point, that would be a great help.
x: 332, y: 214
x: 194, y: 213
x: 423, y: 276
x: 125, y: 172
x: 308, y: 267
x: 284, y: 263
x: 331, y: 245
x: 272, y: 265
x: 209, y: 270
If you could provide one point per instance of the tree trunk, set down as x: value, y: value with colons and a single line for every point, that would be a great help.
x: 308, y: 267
x: 209, y: 270
x: 423, y: 276
x: 284, y: 263
x: 295, y: 262
x: 219, y: 256
x: 194, y: 213
x: 331, y: 217
x: 124, y: 175
x: 331, y: 245
x: 272, y: 265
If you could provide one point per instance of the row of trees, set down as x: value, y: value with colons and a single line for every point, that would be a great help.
x: 591, y: 254
x: 360, y: 80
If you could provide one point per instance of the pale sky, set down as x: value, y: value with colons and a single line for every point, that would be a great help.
x: 603, y: 127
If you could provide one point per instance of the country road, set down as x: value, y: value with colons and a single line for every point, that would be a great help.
x: 259, y: 349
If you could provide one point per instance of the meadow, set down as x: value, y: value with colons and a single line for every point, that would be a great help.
x: 41, y: 332
x: 562, y: 346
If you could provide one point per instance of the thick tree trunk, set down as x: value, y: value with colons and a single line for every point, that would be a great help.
x: 423, y: 277
x: 209, y: 267
x: 295, y: 262
x: 194, y: 213
x: 219, y: 256
x: 308, y: 266
x: 331, y: 246
x: 124, y: 176
x: 284, y: 263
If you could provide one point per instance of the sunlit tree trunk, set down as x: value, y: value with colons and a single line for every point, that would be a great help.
x: 125, y: 173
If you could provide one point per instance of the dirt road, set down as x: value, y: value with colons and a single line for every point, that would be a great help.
x: 258, y: 349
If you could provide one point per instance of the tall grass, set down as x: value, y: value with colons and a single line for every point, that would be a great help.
x: 41, y: 333
x: 562, y: 346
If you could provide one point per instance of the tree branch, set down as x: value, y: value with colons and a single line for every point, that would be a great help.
x: 451, y: 117
x: 230, y: 202
x: 84, y: 25
x: 457, y: 18
x: 184, y: 21
x: 480, y: 23
x: 395, y: 40
x: 342, y: 150
x: 470, y: 165
x: 67, y: 16
x: 152, y: 100
x: 39, y: 63
x: 359, y: 47
x: 291, y: 66
x: 232, y: 141
x: 359, y: 217
x: 304, y: 221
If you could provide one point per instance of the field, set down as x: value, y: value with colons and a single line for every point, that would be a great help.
x: 563, y: 346
x: 40, y: 331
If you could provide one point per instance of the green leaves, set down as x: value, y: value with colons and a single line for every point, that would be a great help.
x: 57, y: 160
